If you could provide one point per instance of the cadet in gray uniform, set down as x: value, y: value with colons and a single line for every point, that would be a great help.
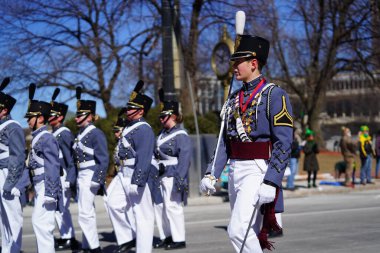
x: 44, y: 168
x: 68, y: 173
x: 91, y: 159
x: 174, y: 151
x: 136, y: 157
x: 122, y: 220
x: 257, y: 138
x: 12, y: 184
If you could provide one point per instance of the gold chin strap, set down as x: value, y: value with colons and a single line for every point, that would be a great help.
x: 83, y: 112
x: 33, y: 114
x: 55, y: 113
x: 135, y: 104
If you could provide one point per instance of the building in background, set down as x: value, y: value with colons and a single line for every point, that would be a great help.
x: 351, y: 100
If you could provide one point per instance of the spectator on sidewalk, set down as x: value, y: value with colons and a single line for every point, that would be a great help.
x: 293, y: 162
x: 348, y: 150
x: 377, y: 151
x: 366, y: 154
x: 310, y: 162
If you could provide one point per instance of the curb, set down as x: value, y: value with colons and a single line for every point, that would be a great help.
x: 327, y: 189
x: 300, y: 192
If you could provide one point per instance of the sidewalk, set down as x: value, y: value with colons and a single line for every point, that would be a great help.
x: 301, y: 190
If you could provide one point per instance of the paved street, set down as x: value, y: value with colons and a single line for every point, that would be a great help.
x: 344, y: 222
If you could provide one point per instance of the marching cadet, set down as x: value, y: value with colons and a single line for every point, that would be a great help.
x: 139, y: 141
x: 123, y: 221
x: 44, y: 168
x: 256, y: 139
x: 174, y: 150
x: 68, y: 173
x: 12, y: 185
x: 91, y: 157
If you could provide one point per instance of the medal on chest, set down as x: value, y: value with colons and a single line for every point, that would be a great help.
x: 244, y: 112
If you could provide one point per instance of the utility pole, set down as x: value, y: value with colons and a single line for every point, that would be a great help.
x: 167, y: 52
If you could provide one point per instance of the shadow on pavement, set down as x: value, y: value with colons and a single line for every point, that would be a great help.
x: 221, y: 227
x: 108, y: 236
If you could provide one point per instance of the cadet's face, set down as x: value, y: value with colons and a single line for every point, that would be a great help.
x: 117, y: 134
x: 32, y: 122
x: 163, y: 119
x: 133, y: 114
x: 167, y: 121
x: 81, y: 121
x: 3, y: 113
x: 54, y: 121
x: 244, y: 69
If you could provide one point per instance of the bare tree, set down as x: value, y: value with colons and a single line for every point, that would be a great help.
x: 197, y: 26
x: 104, y: 45
x: 313, y: 41
x: 69, y: 43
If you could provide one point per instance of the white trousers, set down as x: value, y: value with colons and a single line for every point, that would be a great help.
x: 11, y: 220
x: 86, y: 209
x: 43, y: 220
x: 173, y: 209
x: 161, y: 221
x: 116, y: 203
x: 143, y: 212
x: 63, y: 219
x: 245, y: 178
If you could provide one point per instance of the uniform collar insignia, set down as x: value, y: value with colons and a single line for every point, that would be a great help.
x: 252, y: 84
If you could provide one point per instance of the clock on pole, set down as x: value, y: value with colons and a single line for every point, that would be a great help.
x: 220, y: 60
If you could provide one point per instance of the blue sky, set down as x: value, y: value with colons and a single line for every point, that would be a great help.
x: 44, y: 94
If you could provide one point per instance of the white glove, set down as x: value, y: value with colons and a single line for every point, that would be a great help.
x: 15, y: 192
x: 133, y: 189
x: 94, y: 184
x: 207, y: 184
x: 66, y: 185
x: 267, y: 193
x: 49, y: 200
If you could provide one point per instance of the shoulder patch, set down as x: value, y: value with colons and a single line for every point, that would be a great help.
x: 283, y: 118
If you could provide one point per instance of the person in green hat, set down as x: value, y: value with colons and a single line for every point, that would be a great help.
x: 311, y: 162
x: 366, y: 154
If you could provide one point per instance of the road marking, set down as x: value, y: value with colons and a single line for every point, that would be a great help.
x: 332, y: 211
x: 226, y: 220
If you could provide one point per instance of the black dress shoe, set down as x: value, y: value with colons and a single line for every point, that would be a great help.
x: 176, y: 245
x: 125, y: 247
x: 273, y: 233
x: 64, y: 244
x: 97, y: 250
x: 163, y: 243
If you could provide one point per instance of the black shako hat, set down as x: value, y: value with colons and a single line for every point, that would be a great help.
x: 120, y: 123
x: 138, y: 100
x: 57, y: 109
x: 167, y: 107
x: 252, y: 47
x: 84, y: 107
x: 37, y: 108
x: 6, y: 101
